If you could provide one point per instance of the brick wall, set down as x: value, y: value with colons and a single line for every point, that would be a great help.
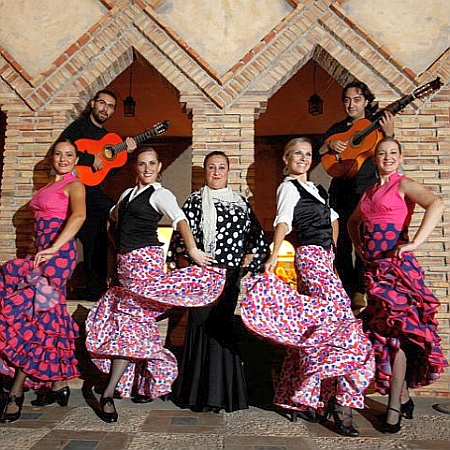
x: 223, y: 108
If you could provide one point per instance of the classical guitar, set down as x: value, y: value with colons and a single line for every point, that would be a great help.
x: 112, y: 151
x: 364, y: 135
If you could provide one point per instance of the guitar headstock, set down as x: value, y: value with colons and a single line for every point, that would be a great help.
x: 428, y: 88
x: 160, y: 127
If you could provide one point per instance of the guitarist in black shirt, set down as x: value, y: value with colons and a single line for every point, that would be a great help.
x: 344, y: 192
x: 93, y: 235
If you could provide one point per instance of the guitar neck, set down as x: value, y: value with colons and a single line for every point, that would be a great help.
x: 394, y: 108
x: 121, y: 146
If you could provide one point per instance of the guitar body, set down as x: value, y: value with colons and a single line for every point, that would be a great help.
x: 87, y: 174
x: 349, y: 162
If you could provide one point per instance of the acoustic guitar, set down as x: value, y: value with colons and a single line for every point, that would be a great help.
x: 364, y: 135
x: 112, y: 151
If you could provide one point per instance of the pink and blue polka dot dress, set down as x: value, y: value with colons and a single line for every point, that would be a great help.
x: 401, y: 308
x: 37, y: 334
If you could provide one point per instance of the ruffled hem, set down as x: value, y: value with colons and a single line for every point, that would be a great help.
x: 37, y: 334
x: 324, y: 342
x: 401, y: 314
x: 122, y: 323
x: 189, y: 287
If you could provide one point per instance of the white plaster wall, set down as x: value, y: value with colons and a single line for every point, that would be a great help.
x: 223, y: 31
x: 36, y: 32
x: 417, y: 32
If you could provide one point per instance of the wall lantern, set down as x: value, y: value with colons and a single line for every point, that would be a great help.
x: 129, y: 104
x: 315, y: 103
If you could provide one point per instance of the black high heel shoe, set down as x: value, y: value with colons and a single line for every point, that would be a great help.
x: 61, y: 397
x: 308, y: 414
x: 105, y: 416
x: 407, y: 409
x: 392, y: 428
x: 339, y: 416
x: 12, y: 417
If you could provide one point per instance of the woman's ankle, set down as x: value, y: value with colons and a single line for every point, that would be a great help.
x: 58, y: 385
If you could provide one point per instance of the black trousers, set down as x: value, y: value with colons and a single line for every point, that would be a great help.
x: 344, y: 199
x: 94, y: 239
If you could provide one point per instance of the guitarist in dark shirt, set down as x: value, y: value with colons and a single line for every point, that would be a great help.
x: 93, y: 234
x: 344, y: 193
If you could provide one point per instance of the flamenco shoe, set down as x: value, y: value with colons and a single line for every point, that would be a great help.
x: 60, y: 396
x: 108, y: 417
x: 393, y: 428
x: 141, y: 399
x: 342, y: 420
x: 407, y: 409
x: 13, y: 417
x: 308, y: 414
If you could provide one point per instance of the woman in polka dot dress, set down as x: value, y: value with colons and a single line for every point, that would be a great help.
x: 400, y: 314
x: 224, y: 225
x: 121, y: 331
x: 329, y: 362
x: 37, y: 334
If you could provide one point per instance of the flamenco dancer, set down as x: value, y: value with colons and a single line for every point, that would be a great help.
x: 121, y: 332
x: 37, y: 334
x: 400, y: 314
x: 329, y: 362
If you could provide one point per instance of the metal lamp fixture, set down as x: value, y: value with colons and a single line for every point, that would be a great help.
x: 129, y: 104
x: 315, y: 102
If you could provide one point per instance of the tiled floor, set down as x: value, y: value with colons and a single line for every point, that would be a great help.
x: 162, y: 425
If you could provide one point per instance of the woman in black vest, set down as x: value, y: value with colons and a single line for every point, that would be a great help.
x: 121, y: 332
x: 329, y: 362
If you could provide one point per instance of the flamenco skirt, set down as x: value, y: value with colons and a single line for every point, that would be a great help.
x: 401, y: 315
x: 211, y: 371
x: 328, y: 354
x: 37, y: 334
x: 122, y: 324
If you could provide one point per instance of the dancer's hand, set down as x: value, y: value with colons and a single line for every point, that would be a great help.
x: 201, y: 258
x: 44, y: 256
x: 405, y: 248
x: 271, y: 263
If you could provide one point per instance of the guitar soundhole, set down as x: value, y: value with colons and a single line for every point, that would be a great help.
x: 356, y: 140
x: 108, y: 153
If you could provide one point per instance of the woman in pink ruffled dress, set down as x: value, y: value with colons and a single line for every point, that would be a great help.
x: 122, y: 334
x: 37, y: 334
x: 400, y: 314
x: 329, y: 362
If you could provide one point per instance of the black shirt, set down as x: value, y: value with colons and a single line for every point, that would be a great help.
x: 83, y: 128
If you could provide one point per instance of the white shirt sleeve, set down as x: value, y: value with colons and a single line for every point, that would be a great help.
x: 287, y: 197
x: 333, y: 215
x: 166, y: 203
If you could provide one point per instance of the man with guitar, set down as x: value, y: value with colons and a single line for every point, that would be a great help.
x: 93, y: 236
x: 347, y: 188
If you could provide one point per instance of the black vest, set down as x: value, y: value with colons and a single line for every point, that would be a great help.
x: 312, y: 221
x: 138, y: 222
